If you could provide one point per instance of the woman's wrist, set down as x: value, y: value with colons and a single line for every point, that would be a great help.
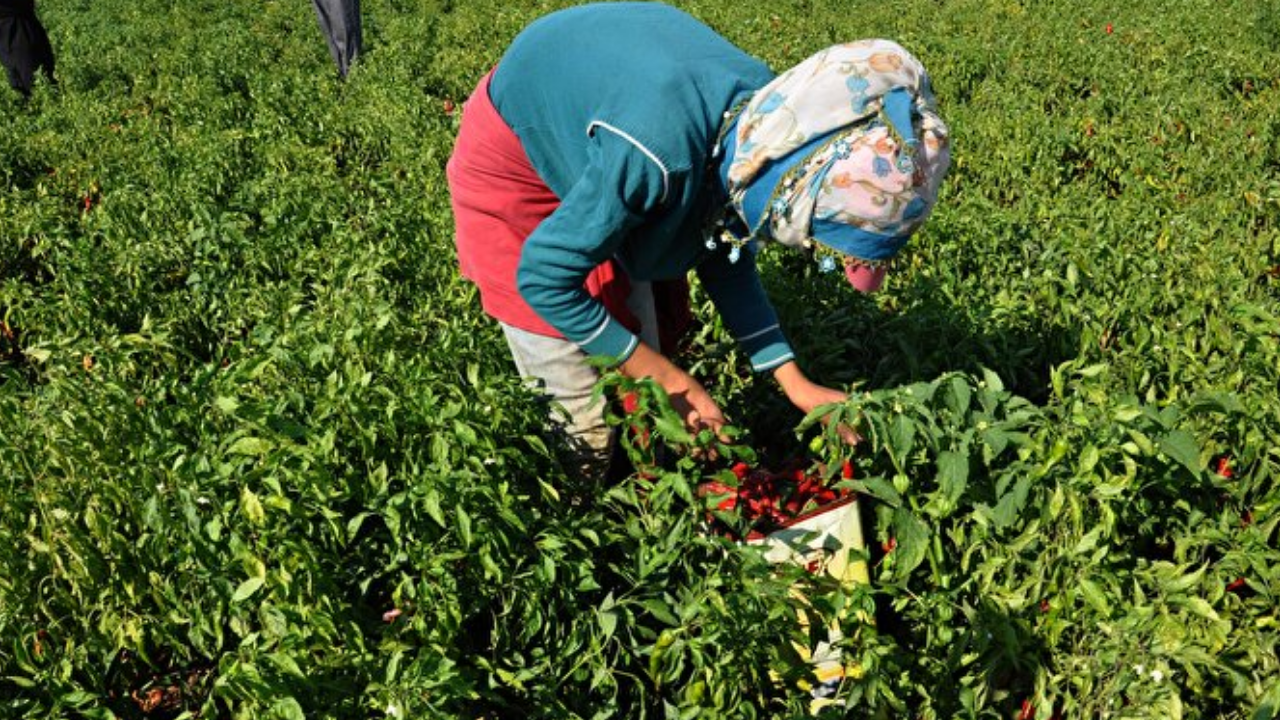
x: 801, y: 391
x: 791, y: 379
x: 645, y: 362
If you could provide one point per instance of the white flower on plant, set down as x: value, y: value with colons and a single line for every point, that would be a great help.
x: 393, y: 710
x: 1140, y: 669
x: 1156, y: 675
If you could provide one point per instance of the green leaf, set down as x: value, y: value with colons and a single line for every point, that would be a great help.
x: 1218, y: 403
x: 440, y: 449
x: 880, y: 489
x: 353, y: 525
x: 1183, y: 583
x: 1011, y: 505
x: 1092, y: 370
x: 465, y: 433
x: 431, y: 503
x: 959, y: 394
x: 464, y: 526
x: 902, y: 435
x: 287, y: 708
x: 1182, y: 448
x: 250, y: 446
x: 912, y: 535
x: 1088, y: 459
x: 1088, y: 542
x: 816, y: 415
x: 670, y: 427
x: 393, y: 667
x: 251, y: 506
x: 996, y: 440
x: 1269, y: 707
x: 608, y: 617
x: 1094, y: 596
x: 247, y: 589
x: 992, y: 380
x: 1201, y: 607
x: 660, y: 610
x: 286, y: 664
x: 77, y: 698
x: 953, y: 476
x: 1125, y: 414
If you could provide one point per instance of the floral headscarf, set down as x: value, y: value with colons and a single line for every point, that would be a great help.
x: 853, y: 145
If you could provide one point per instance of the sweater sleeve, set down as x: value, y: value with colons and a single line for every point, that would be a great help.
x: 739, y: 296
x: 618, y: 186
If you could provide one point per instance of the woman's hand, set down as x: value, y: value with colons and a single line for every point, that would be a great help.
x: 688, y: 397
x: 807, y: 395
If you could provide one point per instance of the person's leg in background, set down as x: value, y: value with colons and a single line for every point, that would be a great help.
x: 25, y: 49
x: 340, y: 22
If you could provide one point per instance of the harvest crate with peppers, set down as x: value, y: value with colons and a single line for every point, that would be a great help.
x: 795, y: 514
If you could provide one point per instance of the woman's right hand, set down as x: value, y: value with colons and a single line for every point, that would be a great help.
x: 695, y: 405
x: 688, y: 397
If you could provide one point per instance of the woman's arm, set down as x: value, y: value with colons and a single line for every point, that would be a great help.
x: 738, y: 294
x: 739, y: 297
x: 807, y: 395
x: 801, y: 391
x: 615, y: 190
x: 609, y: 198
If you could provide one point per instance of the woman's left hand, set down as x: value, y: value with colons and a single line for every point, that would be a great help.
x: 807, y: 395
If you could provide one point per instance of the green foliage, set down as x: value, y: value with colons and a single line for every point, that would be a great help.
x: 262, y: 455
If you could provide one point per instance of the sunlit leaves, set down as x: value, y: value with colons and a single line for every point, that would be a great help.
x: 260, y: 449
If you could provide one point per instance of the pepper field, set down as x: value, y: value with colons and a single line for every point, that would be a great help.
x: 262, y: 456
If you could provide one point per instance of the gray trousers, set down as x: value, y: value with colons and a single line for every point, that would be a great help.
x: 560, y: 371
x: 340, y: 21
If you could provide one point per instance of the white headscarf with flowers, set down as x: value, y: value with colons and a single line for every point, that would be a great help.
x: 870, y: 176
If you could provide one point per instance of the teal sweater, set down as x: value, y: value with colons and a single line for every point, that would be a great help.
x: 618, y: 106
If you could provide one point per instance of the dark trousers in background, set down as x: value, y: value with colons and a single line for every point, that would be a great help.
x: 340, y: 21
x: 24, y: 46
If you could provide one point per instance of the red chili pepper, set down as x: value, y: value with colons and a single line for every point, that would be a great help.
x: 630, y: 403
x: 1044, y: 606
x: 1236, y: 585
x: 1224, y: 467
x: 717, y: 488
x: 889, y: 545
x: 1028, y: 711
x: 846, y: 472
x: 1109, y: 28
